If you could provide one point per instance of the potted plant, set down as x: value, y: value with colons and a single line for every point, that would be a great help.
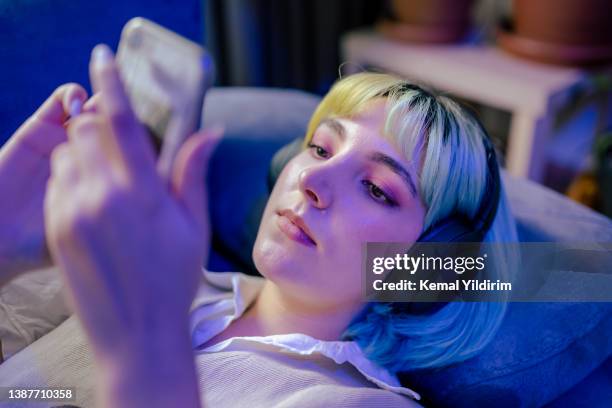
x: 428, y: 21
x: 566, y: 32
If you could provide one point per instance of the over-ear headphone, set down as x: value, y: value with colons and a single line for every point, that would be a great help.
x: 458, y: 227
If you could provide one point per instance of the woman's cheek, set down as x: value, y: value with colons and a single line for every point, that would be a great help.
x: 402, y: 229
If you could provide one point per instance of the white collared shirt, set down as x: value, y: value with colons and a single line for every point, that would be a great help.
x: 224, y: 296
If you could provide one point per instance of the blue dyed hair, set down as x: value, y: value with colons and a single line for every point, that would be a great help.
x: 448, y: 144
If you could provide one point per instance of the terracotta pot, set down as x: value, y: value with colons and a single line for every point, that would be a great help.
x: 432, y: 12
x: 423, y: 34
x: 571, y: 22
x: 432, y: 20
x: 553, y: 53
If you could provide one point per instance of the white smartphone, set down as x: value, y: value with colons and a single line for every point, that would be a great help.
x: 166, y: 77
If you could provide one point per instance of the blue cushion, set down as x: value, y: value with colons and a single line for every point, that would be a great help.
x: 541, y: 351
x: 257, y: 123
x: 595, y: 391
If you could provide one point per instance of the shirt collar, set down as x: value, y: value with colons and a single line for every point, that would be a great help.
x: 224, y: 296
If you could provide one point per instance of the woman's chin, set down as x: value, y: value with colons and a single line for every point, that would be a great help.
x: 272, y: 260
x: 287, y: 269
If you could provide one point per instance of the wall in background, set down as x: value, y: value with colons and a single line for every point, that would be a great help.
x: 283, y: 43
x: 295, y: 43
x: 44, y: 43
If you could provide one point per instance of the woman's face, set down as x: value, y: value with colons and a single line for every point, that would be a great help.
x: 349, y: 187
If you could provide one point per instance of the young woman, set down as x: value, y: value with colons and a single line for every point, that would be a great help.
x: 383, y: 160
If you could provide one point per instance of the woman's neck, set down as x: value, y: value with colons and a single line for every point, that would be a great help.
x: 273, y: 312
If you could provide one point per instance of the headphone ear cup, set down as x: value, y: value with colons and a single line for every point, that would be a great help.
x: 280, y: 160
x: 453, y: 229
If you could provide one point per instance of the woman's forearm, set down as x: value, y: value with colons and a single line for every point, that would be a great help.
x: 156, y: 371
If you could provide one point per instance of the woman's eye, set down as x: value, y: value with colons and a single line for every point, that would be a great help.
x: 319, y: 151
x: 378, y: 194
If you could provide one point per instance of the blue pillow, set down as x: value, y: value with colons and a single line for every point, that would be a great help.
x: 541, y: 351
x: 257, y: 123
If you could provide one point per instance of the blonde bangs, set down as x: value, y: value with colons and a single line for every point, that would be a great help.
x: 350, y: 96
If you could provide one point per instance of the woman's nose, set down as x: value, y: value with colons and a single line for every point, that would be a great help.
x: 314, y: 184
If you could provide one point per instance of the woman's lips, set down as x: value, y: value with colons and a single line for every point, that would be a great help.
x: 293, y: 231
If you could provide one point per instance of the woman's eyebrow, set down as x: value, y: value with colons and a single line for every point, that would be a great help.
x: 397, y: 168
x: 336, y: 126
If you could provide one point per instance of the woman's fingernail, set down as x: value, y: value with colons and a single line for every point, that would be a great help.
x: 101, y: 55
x: 75, y: 107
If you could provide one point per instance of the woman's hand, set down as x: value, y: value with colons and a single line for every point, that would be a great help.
x: 130, y: 245
x: 24, y: 171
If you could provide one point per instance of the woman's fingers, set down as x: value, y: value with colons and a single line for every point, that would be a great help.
x: 58, y: 106
x: 94, y: 154
x: 64, y: 170
x: 189, y: 173
x: 127, y: 132
x: 92, y: 104
x: 45, y: 129
x: 62, y: 184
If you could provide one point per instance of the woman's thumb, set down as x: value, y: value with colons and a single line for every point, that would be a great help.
x: 190, y: 168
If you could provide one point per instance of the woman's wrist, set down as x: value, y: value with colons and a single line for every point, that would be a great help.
x: 149, y: 371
